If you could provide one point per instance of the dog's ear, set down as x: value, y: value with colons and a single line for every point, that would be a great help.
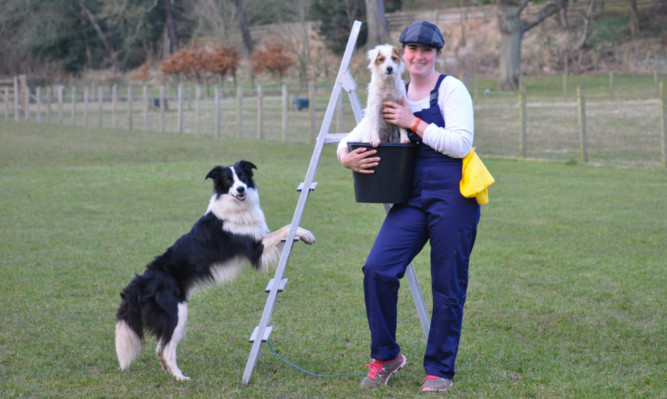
x: 214, y: 173
x: 247, y: 166
x: 372, y: 55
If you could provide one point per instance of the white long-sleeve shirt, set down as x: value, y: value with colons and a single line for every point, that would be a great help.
x: 454, y: 140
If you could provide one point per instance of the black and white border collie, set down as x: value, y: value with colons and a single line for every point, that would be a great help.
x: 231, y: 234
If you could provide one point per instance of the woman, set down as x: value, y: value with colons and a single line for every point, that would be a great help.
x: 438, y: 111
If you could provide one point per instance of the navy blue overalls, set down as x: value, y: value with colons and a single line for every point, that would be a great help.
x: 437, y: 212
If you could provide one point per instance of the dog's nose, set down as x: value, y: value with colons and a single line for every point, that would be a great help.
x: 390, y: 70
x: 240, y: 189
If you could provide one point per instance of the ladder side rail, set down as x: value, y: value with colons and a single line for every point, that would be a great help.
x: 350, y: 86
x: 303, y: 197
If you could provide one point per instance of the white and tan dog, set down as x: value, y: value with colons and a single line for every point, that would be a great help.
x: 386, y: 84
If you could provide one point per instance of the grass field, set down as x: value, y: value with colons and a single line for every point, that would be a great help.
x: 567, y: 297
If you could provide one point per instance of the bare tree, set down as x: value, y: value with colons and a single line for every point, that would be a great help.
x: 512, y: 27
x: 592, y: 11
x: 245, y: 30
x: 634, y: 18
x: 216, y: 18
x: 378, y: 31
x: 297, y: 36
x: 100, y: 33
x: 170, y: 24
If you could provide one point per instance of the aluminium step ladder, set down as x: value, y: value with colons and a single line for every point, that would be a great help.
x: 344, y: 81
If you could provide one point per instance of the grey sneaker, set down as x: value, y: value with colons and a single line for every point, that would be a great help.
x: 434, y: 383
x: 380, y: 371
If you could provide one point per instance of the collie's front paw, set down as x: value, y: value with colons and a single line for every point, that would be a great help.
x: 305, y: 236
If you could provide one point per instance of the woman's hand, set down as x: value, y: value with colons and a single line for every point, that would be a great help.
x: 398, y: 114
x: 361, y: 160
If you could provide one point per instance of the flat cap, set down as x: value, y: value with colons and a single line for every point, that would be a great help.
x: 422, y: 33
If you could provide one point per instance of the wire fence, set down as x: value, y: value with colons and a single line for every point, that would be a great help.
x: 600, y: 127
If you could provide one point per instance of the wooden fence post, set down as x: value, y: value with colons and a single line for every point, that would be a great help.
x: 129, y: 107
x: 611, y: 84
x: 74, y: 106
x: 565, y: 73
x: 522, y: 119
x: 6, y: 104
x: 217, y: 111
x: 239, y: 111
x: 180, y: 109
x: 27, y: 103
x: 85, y: 106
x: 285, y: 111
x: 656, y: 66
x: 475, y: 80
x: 38, y: 93
x: 661, y: 88
x: 23, y: 88
x: 100, y: 104
x: 311, y: 109
x: 197, y: 109
x: 146, y: 105
x: 114, y: 105
x: 61, y: 99
x: 162, y: 109
x: 583, y: 151
x: 260, y: 112
x: 17, y: 100
x: 48, y: 104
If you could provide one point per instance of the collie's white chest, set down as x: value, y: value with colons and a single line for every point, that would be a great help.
x: 240, y: 217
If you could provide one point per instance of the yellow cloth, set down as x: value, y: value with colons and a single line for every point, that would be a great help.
x: 475, y: 178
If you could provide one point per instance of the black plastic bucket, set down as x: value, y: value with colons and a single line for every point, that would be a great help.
x: 392, y: 180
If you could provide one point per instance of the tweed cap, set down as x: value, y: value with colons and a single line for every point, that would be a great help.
x: 422, y: 33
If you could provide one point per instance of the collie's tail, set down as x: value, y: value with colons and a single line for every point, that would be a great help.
x: 129, y: 327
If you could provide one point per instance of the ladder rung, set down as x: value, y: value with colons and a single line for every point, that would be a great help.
x: 267, y: 333
x: 313, y: 185
x: 334, y: 138
x: 281, y: 286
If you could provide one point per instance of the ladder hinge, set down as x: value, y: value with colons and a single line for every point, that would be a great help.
x: 281, y: 286
x: 267, y: 333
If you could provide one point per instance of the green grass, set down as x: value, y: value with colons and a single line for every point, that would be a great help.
x: 566, y: 298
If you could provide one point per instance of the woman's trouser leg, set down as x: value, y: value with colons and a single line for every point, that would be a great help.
x: 401, y: 237
x: 452, y: 234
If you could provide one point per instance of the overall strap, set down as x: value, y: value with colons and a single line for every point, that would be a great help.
x: 434, y: 93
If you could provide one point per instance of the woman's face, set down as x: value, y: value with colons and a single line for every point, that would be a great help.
x: 419, y: 60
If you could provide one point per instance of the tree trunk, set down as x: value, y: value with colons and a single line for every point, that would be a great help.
x: 378, y: 31
x: 100, y: 34
x: 245, y: 30
x: 510, y: 43
x: 510, y: 60
x: 634, y: 18
x: 170, y: 22
x: 512, y: 28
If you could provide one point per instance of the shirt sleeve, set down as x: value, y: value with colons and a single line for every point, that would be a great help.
x: 456, y: 138
x: 355, y: 135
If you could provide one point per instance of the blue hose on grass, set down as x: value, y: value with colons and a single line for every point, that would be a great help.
x: 309, y: 372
